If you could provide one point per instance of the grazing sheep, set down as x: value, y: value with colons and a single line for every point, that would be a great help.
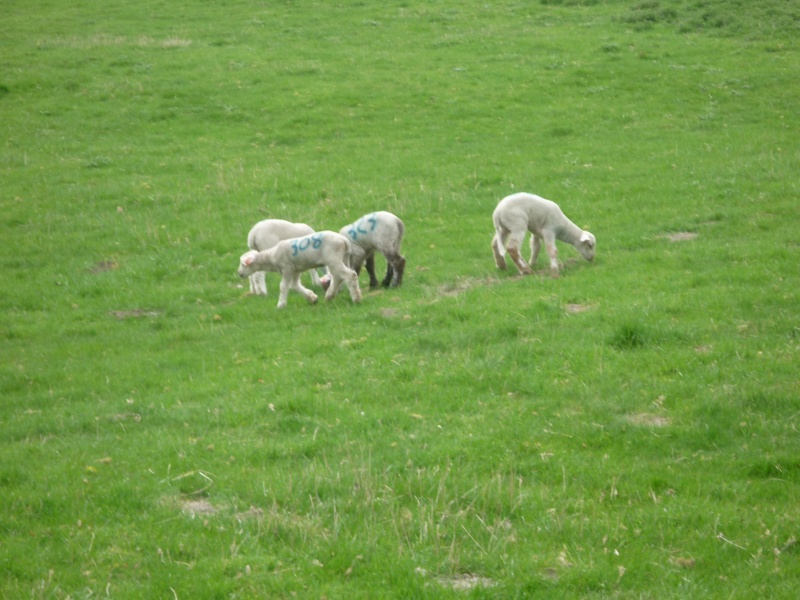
x: 519, y: 213
x: 381, y: 231
x: 265, y: 234
x: 293, y: 256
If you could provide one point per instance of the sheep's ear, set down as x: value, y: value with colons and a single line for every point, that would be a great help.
x: 587, y: 239
x: 585, y: 236
x: 247, y: 260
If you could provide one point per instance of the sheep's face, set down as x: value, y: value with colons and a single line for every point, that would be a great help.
x: 246, y: 263
x: 587, y: 245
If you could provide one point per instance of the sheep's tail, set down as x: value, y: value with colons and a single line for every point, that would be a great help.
x: 346, y: 258
x: 501, y: 240
x: 401, y: 229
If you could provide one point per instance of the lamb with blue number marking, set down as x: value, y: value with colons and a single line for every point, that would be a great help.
x: 265, y: 234
x: 293, y: 256
x: 381, y: 231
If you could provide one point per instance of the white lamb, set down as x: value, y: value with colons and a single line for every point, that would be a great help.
x: 381, y: 231
x: 265, y: 234
x: 519, y: 213
x: 292, y: 257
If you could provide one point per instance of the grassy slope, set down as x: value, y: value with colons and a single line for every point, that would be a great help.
x: 470, y: 423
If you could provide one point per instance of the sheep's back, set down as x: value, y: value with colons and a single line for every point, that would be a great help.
x: 266, y: 234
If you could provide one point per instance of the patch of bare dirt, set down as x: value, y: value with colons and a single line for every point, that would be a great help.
x: 680, y: 236
x: 551, y: 574
x: 198, y: 508
x: 253, y: 513
x: 464, y: 582
x: 103, y: 266
x: 648, y: 419
x: 683, y: 563
x: 466, y: 284
x: 577, y: 309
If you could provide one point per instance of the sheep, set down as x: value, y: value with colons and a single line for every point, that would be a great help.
x: 518, y: 213
x: 293, y: 256
x: 381, y: 231
x: 266, y: 234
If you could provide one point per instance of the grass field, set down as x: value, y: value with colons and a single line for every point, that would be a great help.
x: 628, y: 430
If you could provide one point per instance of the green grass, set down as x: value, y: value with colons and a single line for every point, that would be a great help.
x: 628, y: 430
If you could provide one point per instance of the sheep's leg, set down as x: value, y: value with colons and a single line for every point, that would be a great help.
x: 552, y: 252
x: 499, y: 259
x: 315, y: 278
x: 399, y: 271
x: 297, y: 286
x: 347, y: 276
x: 536, y: 245
x: 284, y: 294
x: 370, y: 264
x: 394, y: 272
x: 258, y: 283
x: 355, y: 259
x: 523, y: 267
x: 352, y: 284
x: 391, y: 259
x: 387, y: 280
x: 513, y: 251
x: 333, y: 288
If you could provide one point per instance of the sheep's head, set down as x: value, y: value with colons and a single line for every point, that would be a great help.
x: 586, y: 245
x: 246, y: 263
